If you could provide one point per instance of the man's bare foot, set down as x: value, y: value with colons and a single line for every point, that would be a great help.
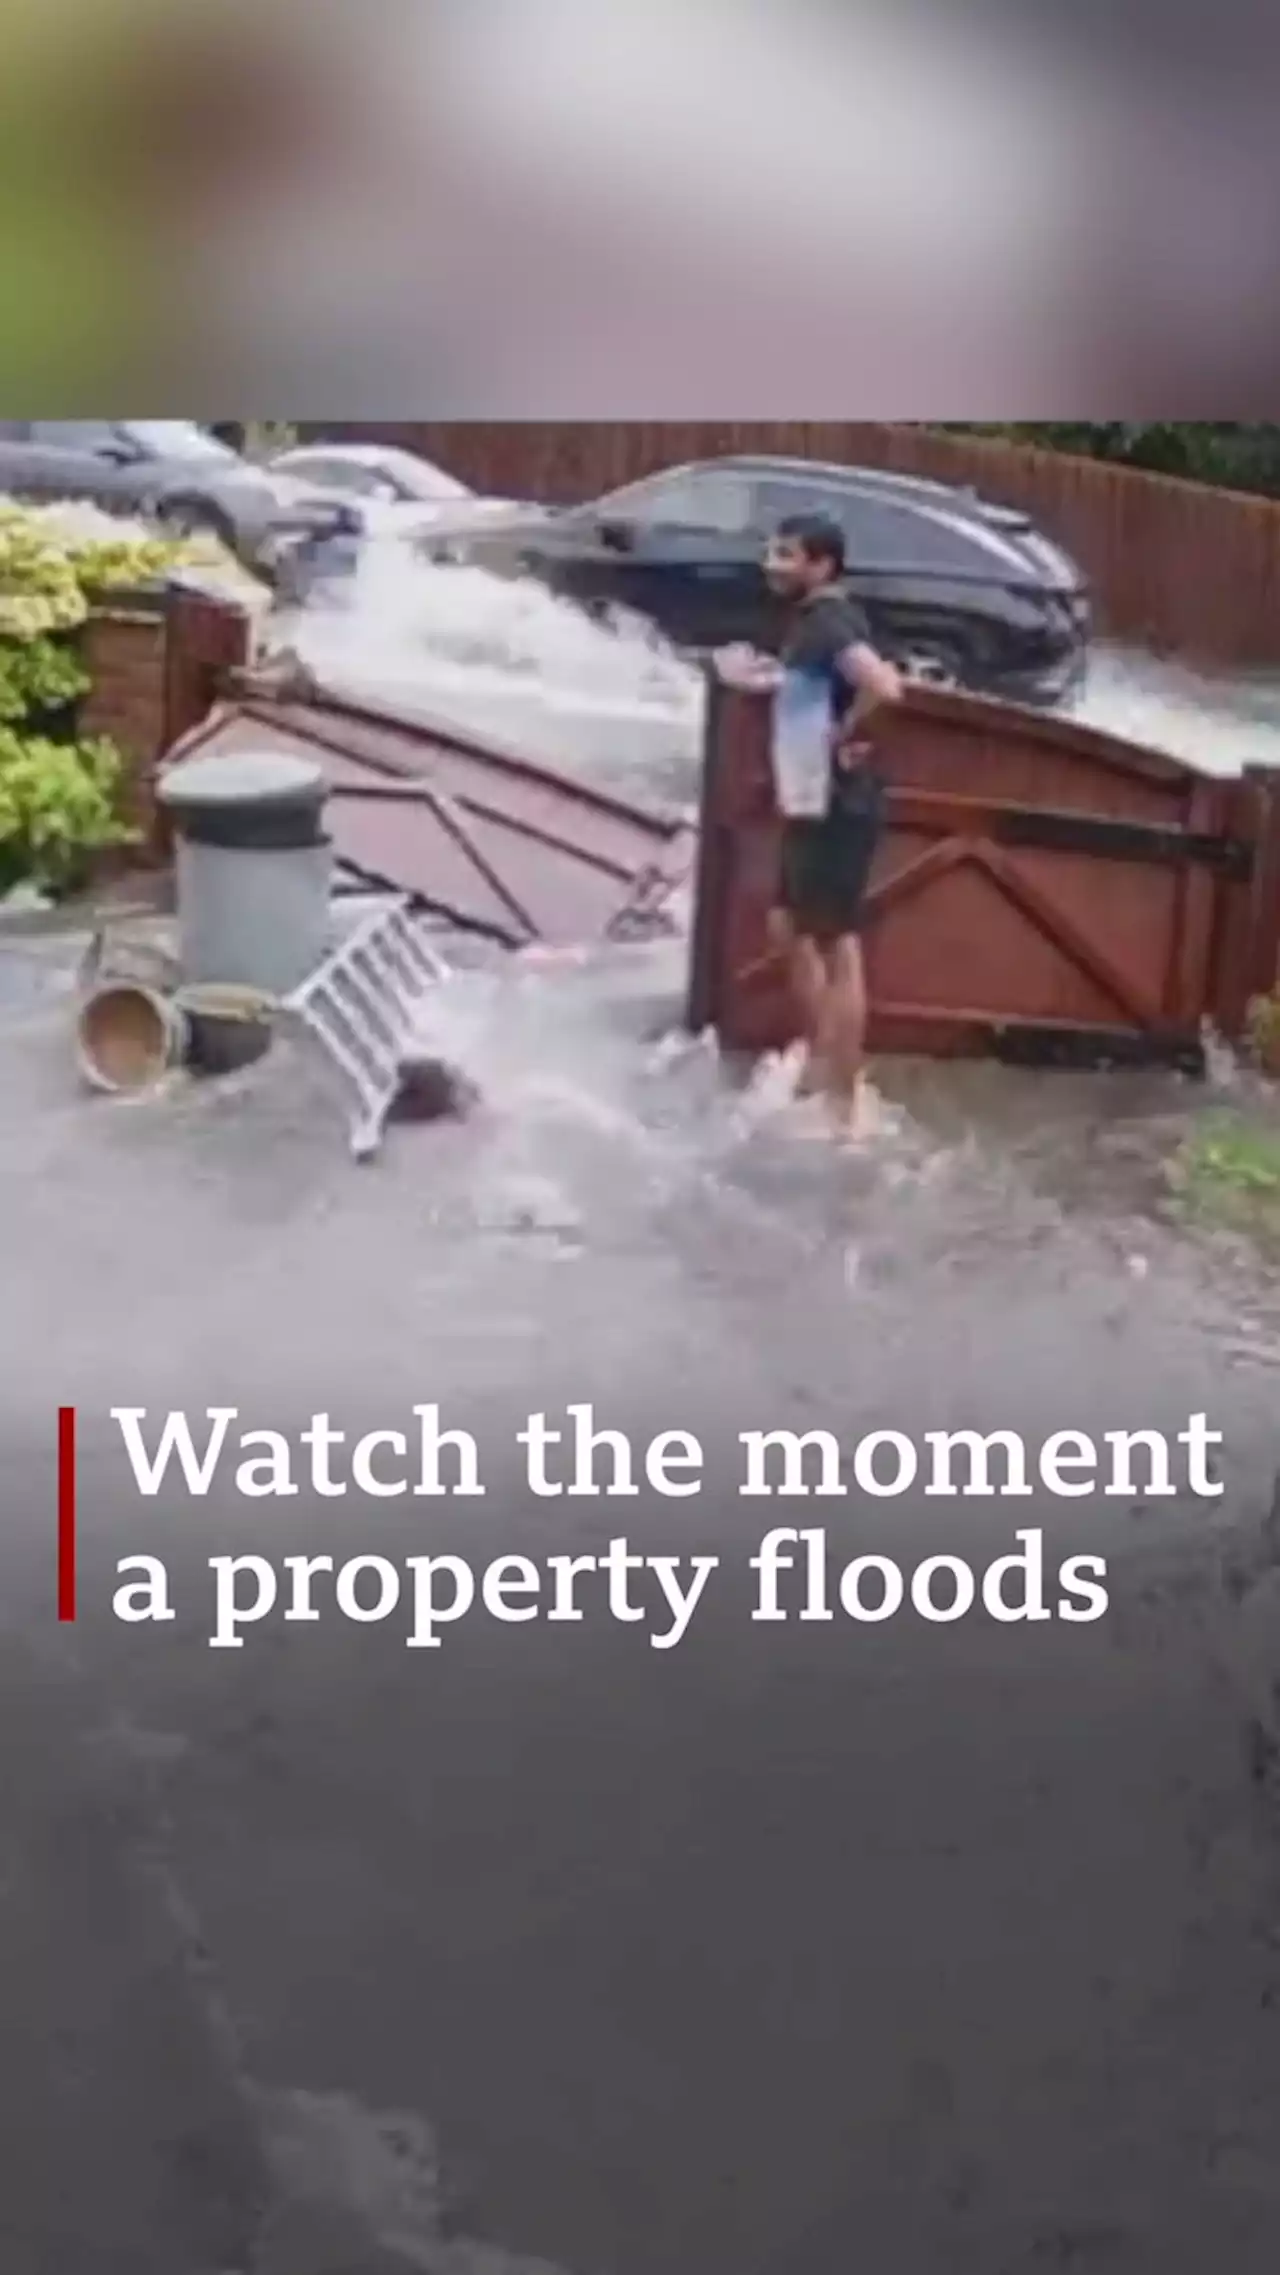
x: 848, y: 1113
x: 811, y: 1081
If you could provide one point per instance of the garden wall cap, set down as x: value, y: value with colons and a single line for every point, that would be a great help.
x: 150, y: 593
x: 250, y: 778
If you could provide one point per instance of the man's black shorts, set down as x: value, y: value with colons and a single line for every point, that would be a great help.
x: 826, y: 867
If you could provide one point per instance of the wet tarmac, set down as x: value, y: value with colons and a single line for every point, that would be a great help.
x: 802, y: 1947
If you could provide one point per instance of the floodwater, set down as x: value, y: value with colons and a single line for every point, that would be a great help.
x: 1217, y: 722
x: 507, y: 658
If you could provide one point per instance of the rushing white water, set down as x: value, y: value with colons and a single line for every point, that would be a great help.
x: 505, y: 657
x: 1216, y: 722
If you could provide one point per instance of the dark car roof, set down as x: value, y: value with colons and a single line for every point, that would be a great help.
x: 940, y: 502
x: 823, y: 474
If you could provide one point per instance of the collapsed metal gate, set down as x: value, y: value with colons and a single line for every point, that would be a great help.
x: 1045, y: 892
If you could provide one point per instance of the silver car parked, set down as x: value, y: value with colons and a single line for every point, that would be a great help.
x: 174, y: 472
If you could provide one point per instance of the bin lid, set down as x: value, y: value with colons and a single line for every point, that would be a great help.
x: 251, y: 778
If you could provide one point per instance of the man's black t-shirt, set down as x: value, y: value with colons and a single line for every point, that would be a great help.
x: 824, y: 625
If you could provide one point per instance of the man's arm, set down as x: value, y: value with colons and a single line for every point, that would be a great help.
x: 877, y: 682
x: 745, y: 668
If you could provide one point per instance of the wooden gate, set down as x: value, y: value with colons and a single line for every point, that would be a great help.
x: 487, y: 839
x: 1044, y: 892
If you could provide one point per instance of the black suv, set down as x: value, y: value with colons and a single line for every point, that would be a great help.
x: 956, y: 590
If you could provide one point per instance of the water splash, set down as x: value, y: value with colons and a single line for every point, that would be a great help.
x: 1215, y: 722
x: 609, y: 696
x: 504, y: 656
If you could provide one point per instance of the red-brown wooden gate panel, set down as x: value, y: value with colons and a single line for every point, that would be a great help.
x: 1044, y: 891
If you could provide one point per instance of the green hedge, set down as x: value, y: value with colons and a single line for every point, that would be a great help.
x: 60, y: 793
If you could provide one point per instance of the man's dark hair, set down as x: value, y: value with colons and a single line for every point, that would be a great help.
x: 818, y: 536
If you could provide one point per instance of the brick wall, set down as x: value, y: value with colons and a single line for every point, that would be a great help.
x: 124, y: 649
x: 155, y: 660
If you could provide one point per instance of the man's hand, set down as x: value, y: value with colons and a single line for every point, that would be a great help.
x: 849, y: 747
x: 745, y: 668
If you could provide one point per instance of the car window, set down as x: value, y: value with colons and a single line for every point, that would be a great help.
x: 719, y: 500
x: 702, y: 497
x: 179, y: 438
x: 880, y: 534
x: 416, y: 479
x: 338, y: 473
x: 880, y: 531
x: 73, y: 434
x: 776, y: 498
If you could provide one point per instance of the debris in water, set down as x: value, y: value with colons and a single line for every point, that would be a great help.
x: 432, y: 1091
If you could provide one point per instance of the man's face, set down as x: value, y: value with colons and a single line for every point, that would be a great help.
x: 789, y: 570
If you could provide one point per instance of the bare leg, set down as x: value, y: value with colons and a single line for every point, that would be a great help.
x: 809, y: 982
x: 845, y: 1027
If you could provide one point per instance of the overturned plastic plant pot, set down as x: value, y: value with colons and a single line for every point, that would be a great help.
x: 128, y: 1037
x: 227, y: 1027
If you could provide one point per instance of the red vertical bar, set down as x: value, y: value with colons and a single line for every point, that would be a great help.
x: 1264, y: 948
x: 66, y: 1512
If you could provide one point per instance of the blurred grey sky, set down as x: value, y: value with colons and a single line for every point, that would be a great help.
x: 560, y: 209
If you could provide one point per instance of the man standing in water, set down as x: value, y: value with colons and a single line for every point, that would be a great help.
x: 829, y: 791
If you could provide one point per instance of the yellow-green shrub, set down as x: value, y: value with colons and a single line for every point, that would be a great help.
x: 60, y: 795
